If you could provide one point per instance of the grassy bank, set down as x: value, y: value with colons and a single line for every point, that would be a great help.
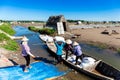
x: 7, y: 28
x: 5, y: 41
x: 47, y: 31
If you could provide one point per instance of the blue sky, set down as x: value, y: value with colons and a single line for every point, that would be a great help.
x: 94, y: 10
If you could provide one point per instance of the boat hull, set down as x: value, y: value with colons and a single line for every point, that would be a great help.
x: 106, y: 72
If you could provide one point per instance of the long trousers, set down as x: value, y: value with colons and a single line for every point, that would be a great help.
x: 59, y: 58
x: 77, y: 57
x: 27, y: 58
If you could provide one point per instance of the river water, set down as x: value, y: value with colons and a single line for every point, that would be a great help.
x: 38, y: 48
x: 109, y: 56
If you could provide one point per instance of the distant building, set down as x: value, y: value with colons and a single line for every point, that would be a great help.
x: 14, y: 22
x: 56, y: 21
x: 79, y: 22
x: 1, y: 23
x: 32, y: 22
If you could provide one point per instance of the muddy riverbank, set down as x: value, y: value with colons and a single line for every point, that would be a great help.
x: 112, y: 39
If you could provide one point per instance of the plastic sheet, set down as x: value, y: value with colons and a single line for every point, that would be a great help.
x: 39, y: 71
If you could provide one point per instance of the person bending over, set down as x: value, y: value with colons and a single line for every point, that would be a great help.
x: 77, y: 51
x: 68, y: 47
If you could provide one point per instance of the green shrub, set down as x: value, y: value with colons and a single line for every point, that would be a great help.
x: 32, y: 28
x: 47, y: 31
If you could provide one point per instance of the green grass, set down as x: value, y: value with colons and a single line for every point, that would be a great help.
x: 32, y: 28
x: 3, y: 37
x: 47, y: 31
x: 7, y: 28
x: 9, y: 44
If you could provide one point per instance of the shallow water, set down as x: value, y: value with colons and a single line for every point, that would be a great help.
x: 36, y: 45
x: 108, y: 56
x: 38, y: 48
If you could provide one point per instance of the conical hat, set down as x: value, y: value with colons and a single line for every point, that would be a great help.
x: 24, y: 39
x: 68, y: 41
x: 75, y: 44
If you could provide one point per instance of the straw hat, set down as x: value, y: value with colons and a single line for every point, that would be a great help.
x: 75, y: 44
x: 68, y: 41
x: 24, y: 39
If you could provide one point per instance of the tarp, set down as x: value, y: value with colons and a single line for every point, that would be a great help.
x: 39, y: 71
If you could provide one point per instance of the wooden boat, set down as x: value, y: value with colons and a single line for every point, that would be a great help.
x: 46, y: 38
x: 43, y: 37
x: 99, y: 71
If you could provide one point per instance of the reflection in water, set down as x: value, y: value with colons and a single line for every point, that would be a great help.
x: 39, y: 49
x: 109, y: 56
x: 36, y: 45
